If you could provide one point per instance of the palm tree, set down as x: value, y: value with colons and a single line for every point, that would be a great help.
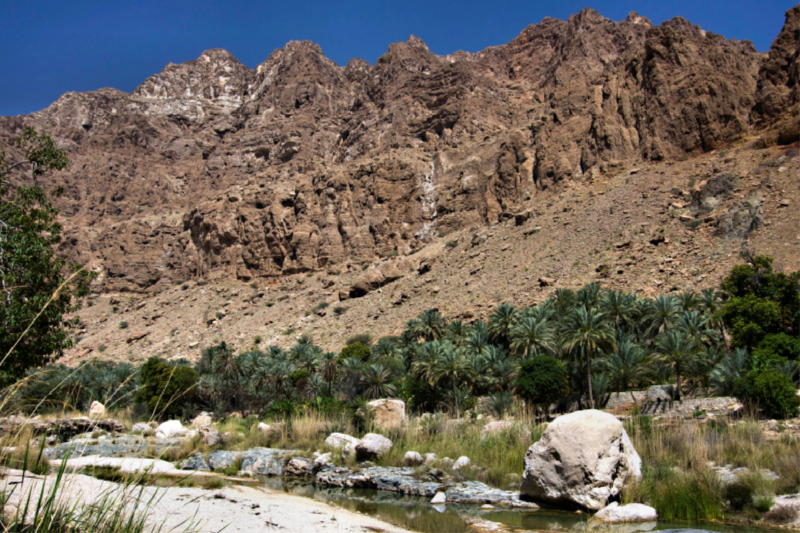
x: 328, y: 364
x: 429, y: 325
x: 500, y: 322
x: 424, y: 365
x: 352, y: 368
x: 530, y: 335
x: 710, y: 304
x: 564, y: 300
x: 619, y: 308
x: 661, y: 314
x: 385, y: 348
x: 627, y: 365
x: 688, y: 301
x: 676, y: 348
x: 588, y: 295
x: 377, y: 381
x: 587, y: 332
x: 478, y: 337
x: 453, y: 364
x: 456, y: 332
x: 727, y: 371
x: 695, y: 325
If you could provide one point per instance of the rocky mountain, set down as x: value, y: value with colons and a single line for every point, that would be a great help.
x: 210, y: 169
x: 212, y: 172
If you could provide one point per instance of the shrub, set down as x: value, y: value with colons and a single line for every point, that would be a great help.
x: 123, y: 325
x: 542, y: 380
x: 772, y: 392
x: 357, y: 349
x: 763, y: 502
x: 739, y: 495
x: 339, y: 310
x: 166, y: 389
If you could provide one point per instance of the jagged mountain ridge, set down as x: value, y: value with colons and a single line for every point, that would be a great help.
x: 210, y: 169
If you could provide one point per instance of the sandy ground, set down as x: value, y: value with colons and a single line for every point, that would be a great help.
x: 233, y: 508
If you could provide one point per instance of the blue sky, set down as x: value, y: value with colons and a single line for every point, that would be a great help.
x: 51, y: 47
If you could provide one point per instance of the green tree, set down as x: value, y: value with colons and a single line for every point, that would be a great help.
x: 542, y: 381
x: 429, y: 325
x: 627, y: 365
x: 531, y: 335
x: 772, y: 392
x: 676, y: 349
x: 37, y: 286
x: 500, y: 323
x: 587, y: 334
x: 377, y: 382
x: 165, y: 388
x: 453, y: 364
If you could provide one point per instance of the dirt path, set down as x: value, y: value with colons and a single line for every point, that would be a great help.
x: 233, y: 508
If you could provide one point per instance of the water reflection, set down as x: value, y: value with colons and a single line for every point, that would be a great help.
x: 418, y: 514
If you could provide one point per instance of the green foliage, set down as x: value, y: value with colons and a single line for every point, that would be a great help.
x: 166, y: 389
x: 739, y: 495
x: 38, y: 287
x: 772, y: 392
x: 542, y: 381
x: 778, y: 346
x: 57, y: 387
x: 357, y: 350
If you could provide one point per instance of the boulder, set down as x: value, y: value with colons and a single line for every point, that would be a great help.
x: 413, y: 459
x: 141, y: 427
x: 583, y: 458
x: 430, y: 458
x: 504, y: 426
x: 388, y: 414
x: 211, y: 437
x: 298, y: 468
x: 440, y: 497
x: 194, y: 462
x: 170, y: 429
x: 340, y: 440
x: 461, y: 462
x: 322, y: 460
x: 659, y: 393
x: 372, y: 446
x: 96, y: 410
x: 203, y: 419
x: 221, y: 459
x: 633, y: 512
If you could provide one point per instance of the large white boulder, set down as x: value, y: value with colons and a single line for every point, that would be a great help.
x: 388, y: 414
x: 461, y: 462
x: 341, y: 440
x: 96, y: 410
x: 372, y: 446
x: 141, y: 427
x: 633, y: 512
x: 171, y: 428
x: 583, y: 458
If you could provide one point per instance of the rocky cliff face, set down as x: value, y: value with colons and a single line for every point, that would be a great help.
x: 210, y: 169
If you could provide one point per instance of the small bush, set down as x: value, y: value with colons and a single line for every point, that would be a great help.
x: 102, y: 348
x: 123, y: 325
x: 739, y: 495
x: 772, y: 392
x: 452, y: 244
x: 339, y: 310
x: 357, y: 350
x: 763, y: 502
x: 257, y: 339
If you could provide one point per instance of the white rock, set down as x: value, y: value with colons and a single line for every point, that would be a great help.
x: 211, y: 437
x: 96, y: 410
x: 340, y: 440
x: 141, y: 427
x: 583, y: 458
x: 633, y: 512
x: 461, y: 462
x: 203, y: 419
x: 169, y: 429
x: 413, y: 459
x: 440, y: 497
x: 388, y: 414
x: 270, y: 430
x: 322, y: 460
x: 430, y: 458
x: 372, y: 446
